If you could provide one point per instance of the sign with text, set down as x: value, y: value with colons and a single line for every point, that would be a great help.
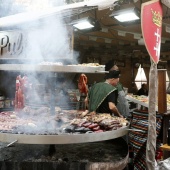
x: 151, y: 23
x: 30, y: 44
x: 10, y: 44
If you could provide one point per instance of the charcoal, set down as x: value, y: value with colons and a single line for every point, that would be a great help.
x: 70, y: 128
x: 87, y: 129
x: 52, y: 133
x: 14, y: 132
x: 6, y: 131
x: 77, y: 132
x: 80, y: 129
x: 65, y: 159
x: 30, y: 133
x: 19, y: 132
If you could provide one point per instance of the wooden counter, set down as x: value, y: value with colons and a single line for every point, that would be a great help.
x: 144, y: 101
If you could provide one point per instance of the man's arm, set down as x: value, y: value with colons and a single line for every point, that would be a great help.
x: 114, y: 109
x: 112, y: 98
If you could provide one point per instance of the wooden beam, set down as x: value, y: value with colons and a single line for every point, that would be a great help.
x: 162, y: 101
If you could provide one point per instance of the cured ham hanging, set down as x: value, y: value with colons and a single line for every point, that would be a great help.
x: 82, y: 84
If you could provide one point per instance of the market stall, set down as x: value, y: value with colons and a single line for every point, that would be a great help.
x: 140, y: 121
x: 36, y: 119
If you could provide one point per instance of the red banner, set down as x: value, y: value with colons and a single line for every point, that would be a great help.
x: 151, y: 22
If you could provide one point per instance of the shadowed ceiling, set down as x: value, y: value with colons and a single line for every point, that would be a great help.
x: 113, y: 38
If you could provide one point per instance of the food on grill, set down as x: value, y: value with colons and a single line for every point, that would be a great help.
x: 10, y: 121
x: 78, y: 122
x: 87, y: 124
x: 107, y: 122
x: 96, y: 128
x: 90, y: 64
x: 99, y: 117
x: 83, y: 114
x: 13, y: 116
x: 99, y: 122
x: 93, y: 125
x: 50, y: 63
x: 40, y: 121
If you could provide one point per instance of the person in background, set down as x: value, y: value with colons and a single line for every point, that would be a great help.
x: 62, y: 98
x: 102, y: 97
x: 143, y: 90
x: 133, y: 89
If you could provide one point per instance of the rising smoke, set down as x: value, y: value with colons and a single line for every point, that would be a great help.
x: 47, y: 39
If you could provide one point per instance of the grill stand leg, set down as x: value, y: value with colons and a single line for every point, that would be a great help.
x: 52, y: 80
x: 52, y: 150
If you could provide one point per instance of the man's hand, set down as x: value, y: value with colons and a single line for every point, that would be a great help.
x: 114, y: 109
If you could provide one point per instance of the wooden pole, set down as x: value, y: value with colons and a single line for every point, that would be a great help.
x: 162, y: 102
x: 151, y: 140
x: 162, y: 106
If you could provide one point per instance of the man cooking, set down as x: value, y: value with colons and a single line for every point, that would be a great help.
x: 102, y: 97
x: 122, y: 104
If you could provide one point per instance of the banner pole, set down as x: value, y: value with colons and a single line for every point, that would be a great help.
x: 151, y: 140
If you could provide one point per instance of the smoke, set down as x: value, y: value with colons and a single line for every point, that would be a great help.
x: 49, y: 41
x: 46, y: 39
x: 11, y: 7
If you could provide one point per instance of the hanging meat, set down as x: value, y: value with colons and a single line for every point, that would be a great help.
x: 19, y: 94
x: 82, y: 84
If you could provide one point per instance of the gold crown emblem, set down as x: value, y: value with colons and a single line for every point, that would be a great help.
x: 156, y: 18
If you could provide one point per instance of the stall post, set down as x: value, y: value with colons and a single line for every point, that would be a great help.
x: 162, y: 106
x: 151, y: 23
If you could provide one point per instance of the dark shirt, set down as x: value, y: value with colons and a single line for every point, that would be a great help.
x: 142, y: 92
x: 104, y: 107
